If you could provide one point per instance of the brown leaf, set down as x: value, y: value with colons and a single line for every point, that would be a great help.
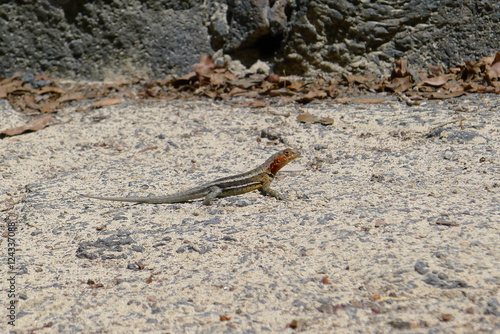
x: 438, y: 81
x: 48, y: 107
x: 361, y: 79
x: 211, y: 93
x: 280, y: 92
x: 444, y: 222
x: 35, y: 125
x: 443, y: 95
x: 217, y: 79
x: 257, y: 103
x: 367, y: 100
x: 106, y: 102
x: 51, y: 89
x: 470, y: 70
x: 9, y: 86
x: 399, y: 84
x: 266, y: 86
x: 206, y: 66
x: 496, y: 64
x: 308, y: 118
x: 325, y: 280
x: 435, y: 71
x: 400, y: 69
x: 414, y: 95
x: 244, y: 83
x: 9, y: 80
x: 230, y: 76
x: 148, y: 149
x: 295, y: 85
x: 71, y: 97
x: 314, y: 93
x: 490, y: 74
x: 485, y: 61
x: 454, y: 87
x: 185, y: 78
x: 236, y: 91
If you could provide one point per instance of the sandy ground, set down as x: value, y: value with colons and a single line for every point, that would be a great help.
x: 392, y: 223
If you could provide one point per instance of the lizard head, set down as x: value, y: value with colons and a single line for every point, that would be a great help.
x: 280, y: 159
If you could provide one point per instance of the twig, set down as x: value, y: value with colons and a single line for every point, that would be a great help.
x: 450, y: 122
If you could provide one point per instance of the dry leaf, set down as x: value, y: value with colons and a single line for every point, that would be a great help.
x: 314, y: 93
x: 230, y: 76
x: 257, y: 103
x: 34, y: 125
x: 266, y: 86
x: 495, y: 65
x: 205, y: 67
x: 48, y: 107
x: 106, y: 102
x: 71, y: 97
x: 470, y: 71
x: 368, y: 100
x: 243, y: 83
x: 8, y: 87
x: 490, y: 75
x: 224, y: 317
x: 438, y: 81
x: 454, y: 87
x: 308, y: 118
x: 295, y: 85
x: 435, y: 71
x: 443, y: 95
x: 217, y: 79
x: 211, y: 93
x: 280, y: 92
x: 236, y: 91
x: 50, y: 89
x: 186, y: 78
x: 361, y: 79
x: 400, y: 69
x: 399, y: 84
x: 363, y: 100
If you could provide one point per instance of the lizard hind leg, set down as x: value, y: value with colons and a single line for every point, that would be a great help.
x: 213, y: 194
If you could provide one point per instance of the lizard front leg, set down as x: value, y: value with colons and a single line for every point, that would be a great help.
x: 267, y: 191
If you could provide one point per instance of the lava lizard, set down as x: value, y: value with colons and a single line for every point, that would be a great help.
x: 259, y: 178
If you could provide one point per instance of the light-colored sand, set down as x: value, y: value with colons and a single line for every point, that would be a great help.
x: 386, y: 230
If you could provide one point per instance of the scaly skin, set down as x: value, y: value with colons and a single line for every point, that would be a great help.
x: 259, y: 178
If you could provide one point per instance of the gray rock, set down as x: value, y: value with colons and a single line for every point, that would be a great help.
x: 370, y: 35
x: 155, y: 38
x: 108, y: 248
x: 492, y: 307
x: 465, y: 136
x: 102, y: 40
x: 421, y: 267
x: 441, y: 281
